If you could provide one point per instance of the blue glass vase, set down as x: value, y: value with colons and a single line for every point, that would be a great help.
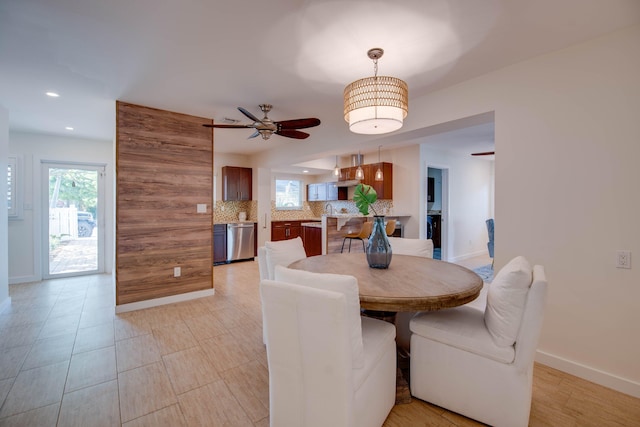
x: 379, y: 249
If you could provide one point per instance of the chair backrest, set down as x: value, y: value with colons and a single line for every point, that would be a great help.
x: 532, y: 319
x: 309, y: 355
x: 390, y: 227
x: 490, y: 226
x: 262, y: 263
x: 415, y: 247
x: 365, y: 231
x: 282, y: 252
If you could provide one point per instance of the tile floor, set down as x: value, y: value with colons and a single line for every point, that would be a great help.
x: 67, y: 360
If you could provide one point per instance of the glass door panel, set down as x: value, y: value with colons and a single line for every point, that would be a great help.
x: 72, y: 227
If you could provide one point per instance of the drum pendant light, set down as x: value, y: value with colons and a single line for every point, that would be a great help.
x: 378, y: 104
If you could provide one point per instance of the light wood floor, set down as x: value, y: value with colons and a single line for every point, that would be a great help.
x: 67, y: 360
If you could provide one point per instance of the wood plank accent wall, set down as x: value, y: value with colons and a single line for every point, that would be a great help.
x: 164, y: 168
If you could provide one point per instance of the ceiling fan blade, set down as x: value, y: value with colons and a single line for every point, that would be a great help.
x: 228, y: 126
x: 298, y: 123
x: 253, y: 135
x: 248, y: 114
x: 290, y: 133
x: 484, y: 153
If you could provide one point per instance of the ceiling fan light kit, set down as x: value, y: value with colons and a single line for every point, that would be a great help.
x: 266, y: 127
x: 378, y: 104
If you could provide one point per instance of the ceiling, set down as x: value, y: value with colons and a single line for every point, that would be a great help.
x: 206, y: 58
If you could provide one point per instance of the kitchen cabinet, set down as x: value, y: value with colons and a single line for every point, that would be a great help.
x: 285, y: 230
x: 219, y: 243
x: 317, y: 192
x: 348, y: 174
x: 236, y: 183
x: 336, y: 193
x: 312, y: 239
x: 383, y: 188
x: 325, y: 191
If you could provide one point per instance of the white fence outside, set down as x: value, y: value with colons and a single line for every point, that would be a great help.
x: 63, y: 222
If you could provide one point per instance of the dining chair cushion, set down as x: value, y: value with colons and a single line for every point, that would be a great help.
x: 506, y: 299
x: 461, y: 327
x: 347, y: 285
x: 414, y: 247
x: 283, y: 252
x: 374, y: 334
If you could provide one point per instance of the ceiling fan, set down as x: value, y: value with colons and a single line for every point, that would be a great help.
x: 267, y: 127
x: 484, y: 153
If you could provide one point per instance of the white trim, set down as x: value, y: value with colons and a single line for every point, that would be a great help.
x: 23, y: 279
x: 5, y: 304
x: 123, y: 308
x: 588, y: 373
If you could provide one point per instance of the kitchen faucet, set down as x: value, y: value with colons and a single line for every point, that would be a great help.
x: 328, y: 206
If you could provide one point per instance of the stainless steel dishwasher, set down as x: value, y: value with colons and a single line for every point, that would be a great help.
x: 240, y: 241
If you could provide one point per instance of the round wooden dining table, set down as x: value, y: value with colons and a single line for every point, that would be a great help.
x: 410, y: 283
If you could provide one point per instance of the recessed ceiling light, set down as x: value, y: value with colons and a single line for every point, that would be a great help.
x: 52, y: 94
x: 305, y: 171
x: 68, y: 128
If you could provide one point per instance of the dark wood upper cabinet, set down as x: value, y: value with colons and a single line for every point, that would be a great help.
x: 383, y: 188
x: 236, y: 183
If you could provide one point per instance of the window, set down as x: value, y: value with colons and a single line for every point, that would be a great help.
x: 288, y: 194
x: 12, y: 186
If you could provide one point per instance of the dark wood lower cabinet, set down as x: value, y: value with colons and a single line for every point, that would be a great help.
x: 285, y: 230
x: 312, y: 238
x: 219, y: 243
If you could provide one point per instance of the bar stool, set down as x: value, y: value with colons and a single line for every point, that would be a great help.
x: 391, y: 227
x: 364, y: 233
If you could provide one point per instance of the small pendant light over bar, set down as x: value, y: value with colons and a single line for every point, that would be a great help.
x: 379, y: 175
x: 336, y: 171
x: 378, y: 104
x: 359, y: 170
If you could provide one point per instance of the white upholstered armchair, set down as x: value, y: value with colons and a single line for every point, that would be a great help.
x: 480, y: 363
x: 327, y: 365
x: 281, y: 252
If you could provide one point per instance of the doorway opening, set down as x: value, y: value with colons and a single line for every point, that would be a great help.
x: 436, y: 210
x: 73, y: 214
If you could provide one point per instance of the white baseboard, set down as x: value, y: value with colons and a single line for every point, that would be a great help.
x: 467, y: 256
x: 588, y: 373
x: 23, y: 279
x: 123, y: 308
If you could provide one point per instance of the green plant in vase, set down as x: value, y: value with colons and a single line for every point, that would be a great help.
x: 365, y: 196
x: 379, y: 249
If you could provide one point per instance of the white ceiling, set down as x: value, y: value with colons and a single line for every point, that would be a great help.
x: 206, y: 58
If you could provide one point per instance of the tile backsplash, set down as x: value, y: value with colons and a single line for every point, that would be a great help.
x: 229, y: 211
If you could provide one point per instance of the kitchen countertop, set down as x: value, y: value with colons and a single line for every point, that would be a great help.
x: 312, y: 224
x: 342, y: 219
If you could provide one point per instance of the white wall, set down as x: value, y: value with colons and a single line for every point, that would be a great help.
x: 566, y: 194
x: 25, y: 239
x: 407, y: 188
x: 4, y: 251
x: 470, y: 201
